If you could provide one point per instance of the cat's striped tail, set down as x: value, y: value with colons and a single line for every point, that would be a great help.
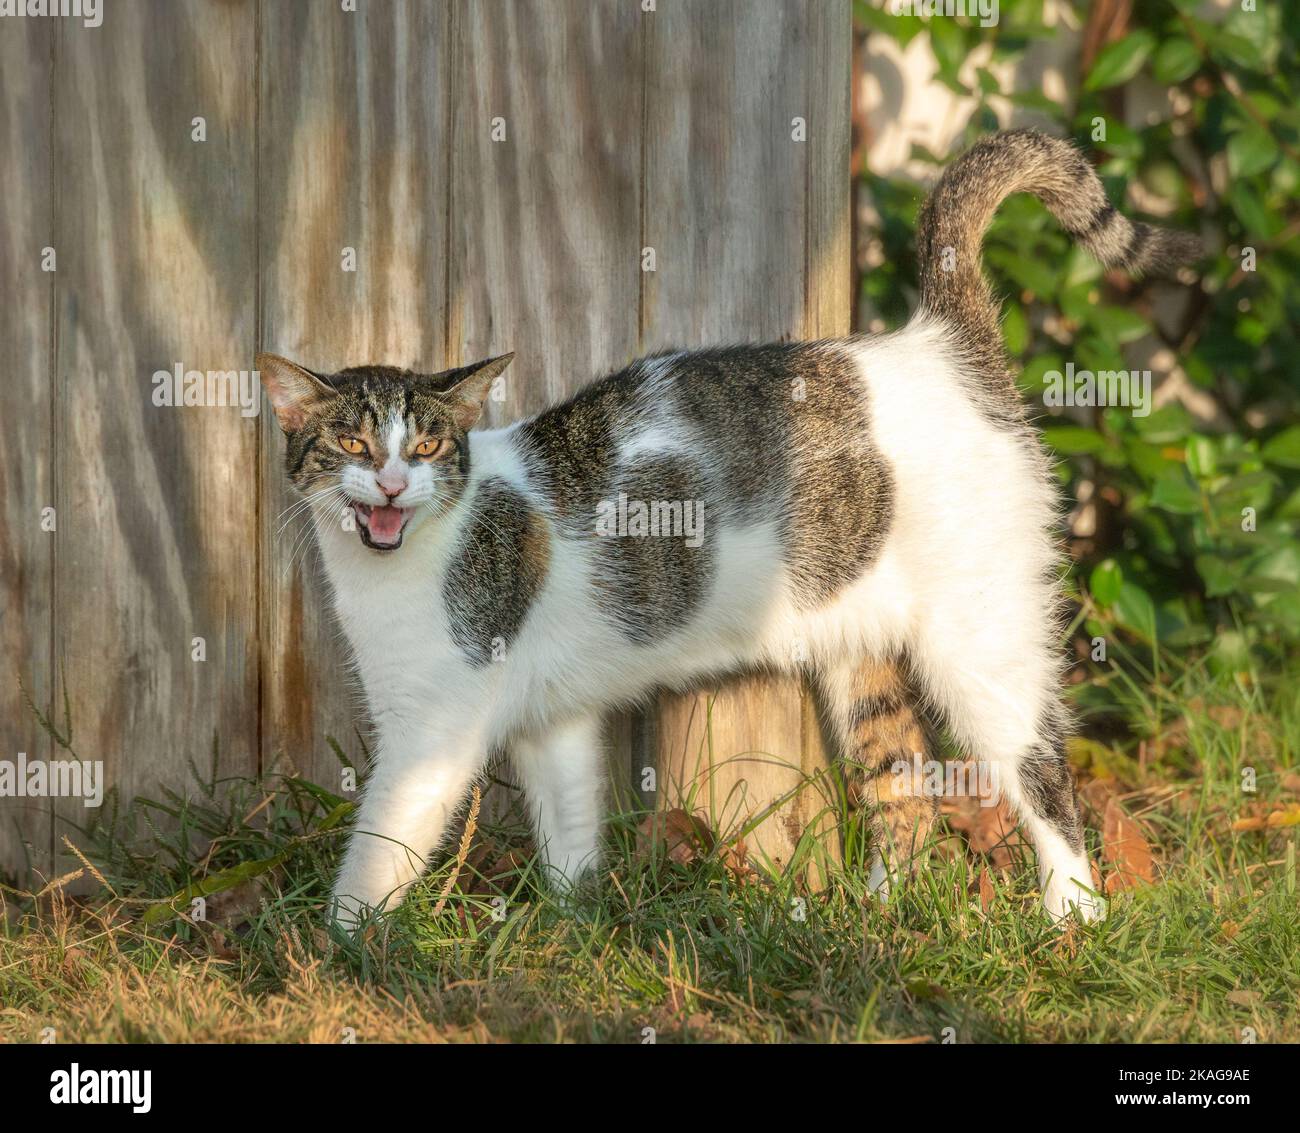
x: 954, y: 218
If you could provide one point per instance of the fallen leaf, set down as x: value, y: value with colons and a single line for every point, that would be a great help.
x: 988, y: 830
x: 1126, y: 850
x: 1289, y: 816
x: 737, y: 860
x: 680, y: 836
x: 1243, y: 998
x: 1095, y: 795
x: 988, y: 894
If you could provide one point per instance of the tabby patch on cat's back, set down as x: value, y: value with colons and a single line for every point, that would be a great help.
x: 873, y: 512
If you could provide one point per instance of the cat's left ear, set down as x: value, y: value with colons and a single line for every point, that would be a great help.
x: 294, y: 391
x: 468, y: 394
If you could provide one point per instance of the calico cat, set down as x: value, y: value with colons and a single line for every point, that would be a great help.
x: 875, y: 511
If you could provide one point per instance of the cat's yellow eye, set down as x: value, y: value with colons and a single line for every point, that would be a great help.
x: 432, y: 447
x: 351, y: 444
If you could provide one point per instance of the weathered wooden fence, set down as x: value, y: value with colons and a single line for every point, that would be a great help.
x: 497, y: 170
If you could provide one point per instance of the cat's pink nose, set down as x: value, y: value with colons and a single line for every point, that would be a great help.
x: 392, y: 488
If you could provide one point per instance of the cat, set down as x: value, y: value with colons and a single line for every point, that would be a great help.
x: 881, y: 501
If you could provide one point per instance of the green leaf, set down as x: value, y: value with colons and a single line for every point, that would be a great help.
x: 1118, y: 324
x: 1175, y: 491
x: 1073, y: 440
x: 214, y: 883
x: 1015, y: 330
x: 1134, y: 609
x: 1281, y: 566
x: 1251, y: 151
x: 1175, y: 60
x: 1120, y: 61
x: 1250, y: 210
x: 1106, y: 582
x: 1253, y: 488
x: 1165, y: 425
x: 1201, y: 456
x: 1218, y: 574
x: 948, y: 41
x: 1284, y: 449
x: 326, y: 798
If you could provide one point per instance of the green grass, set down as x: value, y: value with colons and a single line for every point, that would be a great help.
x: 699, y: 952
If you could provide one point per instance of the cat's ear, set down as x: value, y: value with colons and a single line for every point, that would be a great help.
x: 468, y: 394
x: 294, y: 391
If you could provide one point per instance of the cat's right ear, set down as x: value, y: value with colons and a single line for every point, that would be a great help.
x: 294, y: 391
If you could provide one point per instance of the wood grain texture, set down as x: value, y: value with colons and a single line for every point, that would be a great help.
x: 27, y: 472
x: 371, y: 131
x: 544, y: 257
x: 545, y: 227
x: 745, y: 224
x: 156, y: 505
x: 353, y: 154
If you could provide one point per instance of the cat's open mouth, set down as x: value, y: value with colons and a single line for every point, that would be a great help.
x: 381, y: 528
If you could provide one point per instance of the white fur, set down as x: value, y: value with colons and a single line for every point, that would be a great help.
x: 963, y: 584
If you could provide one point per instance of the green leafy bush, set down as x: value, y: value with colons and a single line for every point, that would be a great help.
x: 1196, y: 545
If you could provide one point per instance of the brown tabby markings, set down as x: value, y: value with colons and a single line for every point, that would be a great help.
x: 499, y: 569
x: 787, y: 439
x: 879, y: 729
x: 958, y: 212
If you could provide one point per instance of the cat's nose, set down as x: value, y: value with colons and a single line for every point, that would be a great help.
x: 392, y: 488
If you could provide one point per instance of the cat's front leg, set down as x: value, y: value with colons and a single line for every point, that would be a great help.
x: 414, y: 789
x: 561, y: 770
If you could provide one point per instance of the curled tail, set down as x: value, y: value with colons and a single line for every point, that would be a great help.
x: 957, y: 213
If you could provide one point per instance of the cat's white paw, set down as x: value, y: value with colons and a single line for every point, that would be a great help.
x: 1067, y: 898
x: 880, y: 881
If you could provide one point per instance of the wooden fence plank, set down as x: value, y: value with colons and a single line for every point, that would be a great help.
x: 729, y: 189
x: 353, y: 156
x: 27, y: 471
x: 545, y: 247
x: 156, y: 505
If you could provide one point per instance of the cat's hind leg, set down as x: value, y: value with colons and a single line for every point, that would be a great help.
x: 561, y: 771
x: 882, y: 738
x: 994, y: 675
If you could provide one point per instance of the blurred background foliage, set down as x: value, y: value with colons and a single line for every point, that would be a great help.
x: 1185, y: 526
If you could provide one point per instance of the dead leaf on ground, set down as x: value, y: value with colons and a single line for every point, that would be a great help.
x: 736, y: 860
x: 232, y: 907
x: 988, y: 830
x: 1095, y: 795
x: 1274, y: 820
x: 681, y: 837
x: 1125, y: 849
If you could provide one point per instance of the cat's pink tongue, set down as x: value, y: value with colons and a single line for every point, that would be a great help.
x: 385, y: 524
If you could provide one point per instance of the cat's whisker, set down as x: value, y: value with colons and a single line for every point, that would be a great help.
x: 299, y: 506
